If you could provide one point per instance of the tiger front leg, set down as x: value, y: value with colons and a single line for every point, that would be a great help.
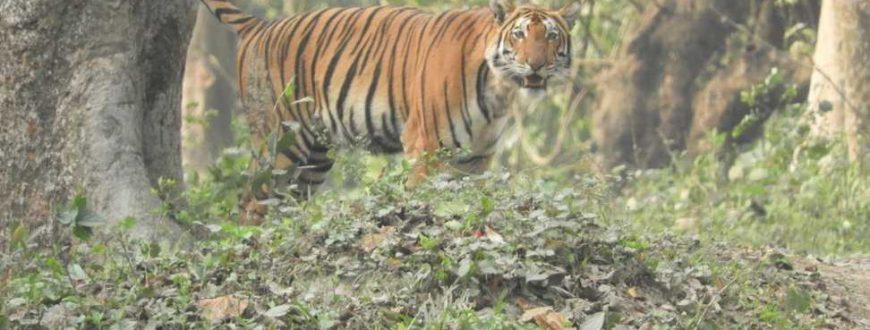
x: 472, y: 164
x: 420, y: 150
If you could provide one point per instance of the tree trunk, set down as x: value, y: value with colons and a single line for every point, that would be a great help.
x: 661, y: 96
x: 840, y: 94
x: 90, y: 103
x: 644, y: 108
x: 209, y: 98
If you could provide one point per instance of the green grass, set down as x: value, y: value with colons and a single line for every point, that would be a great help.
x: 815, y: 203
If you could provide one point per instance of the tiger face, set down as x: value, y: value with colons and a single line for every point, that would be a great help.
x: 533, y: 44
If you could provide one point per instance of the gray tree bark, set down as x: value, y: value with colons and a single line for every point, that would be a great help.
x: 840, y: 92
x: 90, y: 103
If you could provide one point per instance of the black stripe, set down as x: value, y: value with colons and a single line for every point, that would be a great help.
x: 466, y: 115
x: 450, y: 118
x: 220, y: 12
x: 296, y: 158
x: 373, y: 87
x: 481, y: 91
x: 240, y: 21
x: 333, y: 63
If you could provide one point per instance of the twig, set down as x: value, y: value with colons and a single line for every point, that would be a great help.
x: 714, y: 300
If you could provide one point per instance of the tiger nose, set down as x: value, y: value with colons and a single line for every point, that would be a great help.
x: 537, y: 65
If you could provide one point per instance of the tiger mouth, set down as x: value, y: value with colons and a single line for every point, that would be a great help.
x: 534, y: 81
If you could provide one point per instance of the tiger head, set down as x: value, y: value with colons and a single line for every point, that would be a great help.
x: 533, y: 44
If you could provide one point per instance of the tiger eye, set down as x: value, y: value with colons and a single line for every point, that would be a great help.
x: 552, y: 35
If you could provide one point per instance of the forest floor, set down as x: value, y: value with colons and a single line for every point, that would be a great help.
x: 849, y: 281
x: 778, y: 244
x: 493, y: 252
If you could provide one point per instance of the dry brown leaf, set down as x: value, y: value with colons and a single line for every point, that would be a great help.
x: 633, y: 292
x: 551, y: 321
x: 493, y: 235
x: 523, y: 304
x: 222, y: 308
x: 534, y: 313
x: 394, y: 263
x: 544, y: 317
x: 370, y: 242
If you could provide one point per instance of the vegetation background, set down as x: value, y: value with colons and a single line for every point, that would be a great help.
x: 687, y: 175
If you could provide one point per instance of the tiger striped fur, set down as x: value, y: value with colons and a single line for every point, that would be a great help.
x: 399, y: 79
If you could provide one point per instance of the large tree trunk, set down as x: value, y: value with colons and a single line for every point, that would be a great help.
x: 661, y: 98
x: 840, y: 94
x: 644, y: 107
x: 209, y: 98
x: 90, y: 102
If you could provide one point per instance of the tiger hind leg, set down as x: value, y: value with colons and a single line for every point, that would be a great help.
x: 312, y: 173
x: 296, y: 171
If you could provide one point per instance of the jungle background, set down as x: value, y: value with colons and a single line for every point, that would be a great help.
x: 703, y: 167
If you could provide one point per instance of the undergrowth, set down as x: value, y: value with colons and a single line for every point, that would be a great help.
x: 498, y: 251
x: 785, y: 190
x: 494, y: 252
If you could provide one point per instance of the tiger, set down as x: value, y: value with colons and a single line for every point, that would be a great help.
x: 394, y: 79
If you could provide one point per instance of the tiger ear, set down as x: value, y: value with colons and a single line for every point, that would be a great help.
x: 501, y: 9
x: 571, y: 12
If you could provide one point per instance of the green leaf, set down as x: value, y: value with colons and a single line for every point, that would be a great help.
x: 744, y: 125
x: 127, y: 223
x: 88, y: 218
x: 826, y: 106
x: 154, y: 250
x: 77, y: 273
x: 290, y: 90
x: 67, y: 217
x: 19, y: 235
x: 80, y: 202
x: 82, y: 233
x: 487, y: 204
x: 798, y: 300
x: 54, y: 266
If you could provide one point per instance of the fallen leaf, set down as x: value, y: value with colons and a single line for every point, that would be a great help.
x: 633, y: 293
x: 551, y: 321
x: 534, y: 313
x: 594, y: 322
x: 493, y: 235
x: 370, y: 242
x: 545, y: 318
x: 394, y: 263
x: 522, y: 303
x: 222, y: 308
x: 277, y: 311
